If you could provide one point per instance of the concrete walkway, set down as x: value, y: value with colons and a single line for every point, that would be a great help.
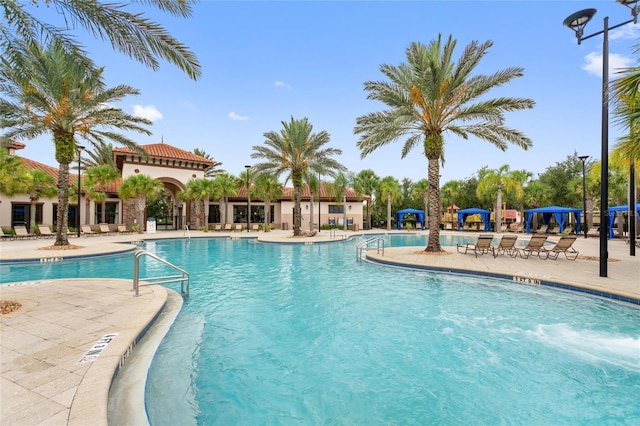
x: 64, y: 322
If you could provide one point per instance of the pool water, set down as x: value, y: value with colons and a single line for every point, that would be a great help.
x: 304, y: 334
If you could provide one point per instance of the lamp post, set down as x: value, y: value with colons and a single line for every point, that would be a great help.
x: 248, y: 204
x: 583, y: 158
x: 577, y: 22
x: 632, y: 208
x: 79, y: 148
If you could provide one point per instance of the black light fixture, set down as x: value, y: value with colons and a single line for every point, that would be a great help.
x: 577, y: 22
x: 583, y: 158
x: 248, y: 204
x: 79, y: 148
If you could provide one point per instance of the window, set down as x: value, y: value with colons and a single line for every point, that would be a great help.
x: 336, y: 208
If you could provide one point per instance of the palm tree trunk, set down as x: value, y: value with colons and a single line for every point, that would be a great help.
x: 62, y: 221
x: 297, y: 183
x: 344, y: 211
x: 32, y: 215
x: 205, y: 212
x: 499, y: 210
x: 267, y: 216
x: 433, y: 244
x: 388, y: 212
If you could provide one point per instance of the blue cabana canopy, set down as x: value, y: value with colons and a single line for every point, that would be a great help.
x: 485, y: 215
x: 612, y: 215
x: 559, y: 213
x: 419, y: 216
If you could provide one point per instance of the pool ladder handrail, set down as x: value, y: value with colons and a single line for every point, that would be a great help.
x: 367, y: 244
x: 333, y: 235
x: 183, y: 277
x: 186, y: 231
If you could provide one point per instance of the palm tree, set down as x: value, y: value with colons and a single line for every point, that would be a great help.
x: 339, y: 190
x: 535, y: 194
x: 139, y: 187
x: 313, y: 181
x: 226, y: 186
x: 213, y: 169
x: 496, y: 181
x: 296, y: 151
x: 200, y: 191
x: 366, y: 182
x: 450, y: 193
x: 432, y: 95
x: 268, y: 189
x: 96, y: 180
x: 102, y: 154
x: 12, y: 172
x: 522, y: 177
x: 50, y: 91
x: 129, y: 32
x: 389, y: 189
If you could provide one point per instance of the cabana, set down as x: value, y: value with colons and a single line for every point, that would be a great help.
x: 485, y: 215
x: 419, y: 217
x: 559, y: 213
x: 612, y: 215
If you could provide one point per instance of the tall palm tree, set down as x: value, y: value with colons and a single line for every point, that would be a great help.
x: 498, y: 180
x: 139, y: 187
x: 50, y: 91
x: 101, y: 154
x: 522, y: 177
x: 96, y: 180
x: 366, y: 182
x: 129, y: 32
x: 226, y: 186
x: 295, y: 150
x: 213, y: 169
x: 389, y: 189
x: 200, y: 191
x: 431, y: 95
x: 313, y: 180
x: 535, y: 194
x: 268, y: 189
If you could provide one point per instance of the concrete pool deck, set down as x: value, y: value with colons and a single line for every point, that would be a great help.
x: 60, y: 322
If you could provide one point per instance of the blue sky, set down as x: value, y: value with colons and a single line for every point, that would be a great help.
x: 263, y: 62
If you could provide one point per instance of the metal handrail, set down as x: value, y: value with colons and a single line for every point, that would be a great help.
x: 182, y: 278
x: 186, y: 231
x: 333, y: 235
x: 368, y: 244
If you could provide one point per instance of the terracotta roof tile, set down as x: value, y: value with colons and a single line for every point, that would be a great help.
x: 163, y: 150
x: 53, y: 171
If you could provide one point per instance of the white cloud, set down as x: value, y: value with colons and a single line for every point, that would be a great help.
x: 279, y: 84
x: 234, y: 116
x: 626, y: 32
x: 149, y: 112
x: 617, y: 62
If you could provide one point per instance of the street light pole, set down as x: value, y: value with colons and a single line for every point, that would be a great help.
x: 632, y: 208
x: 79, y: 148
x: 248, y: 203
x: 583, y: 158
x: 577, y: 22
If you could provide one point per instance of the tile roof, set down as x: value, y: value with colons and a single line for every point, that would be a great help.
x: 53, y: 171
x: 163, y: 150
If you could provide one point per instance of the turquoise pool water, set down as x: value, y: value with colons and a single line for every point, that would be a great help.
x: 291, y: 334
x: 304, y: 334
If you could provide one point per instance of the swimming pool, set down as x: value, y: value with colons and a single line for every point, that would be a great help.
x: 303, y: 334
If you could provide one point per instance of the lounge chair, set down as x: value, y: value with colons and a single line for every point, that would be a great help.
x: 533, y: 247
x: 22, y: 233
x: 217, y: 227
x: 239, y: 227
x: 564, y: 245
x: 227, y: 227
x: 104, y: 229
x: 45, y: 231
x: 594, y: 231
x: 568, y: 230
x: 122, y: 229
x: 555, y: 230
x: 481, y: 246
x: 255, y: 227
x: 86, y: 230
x: 6, y: 236
x: 542, y: 230
x: 507, y: 245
